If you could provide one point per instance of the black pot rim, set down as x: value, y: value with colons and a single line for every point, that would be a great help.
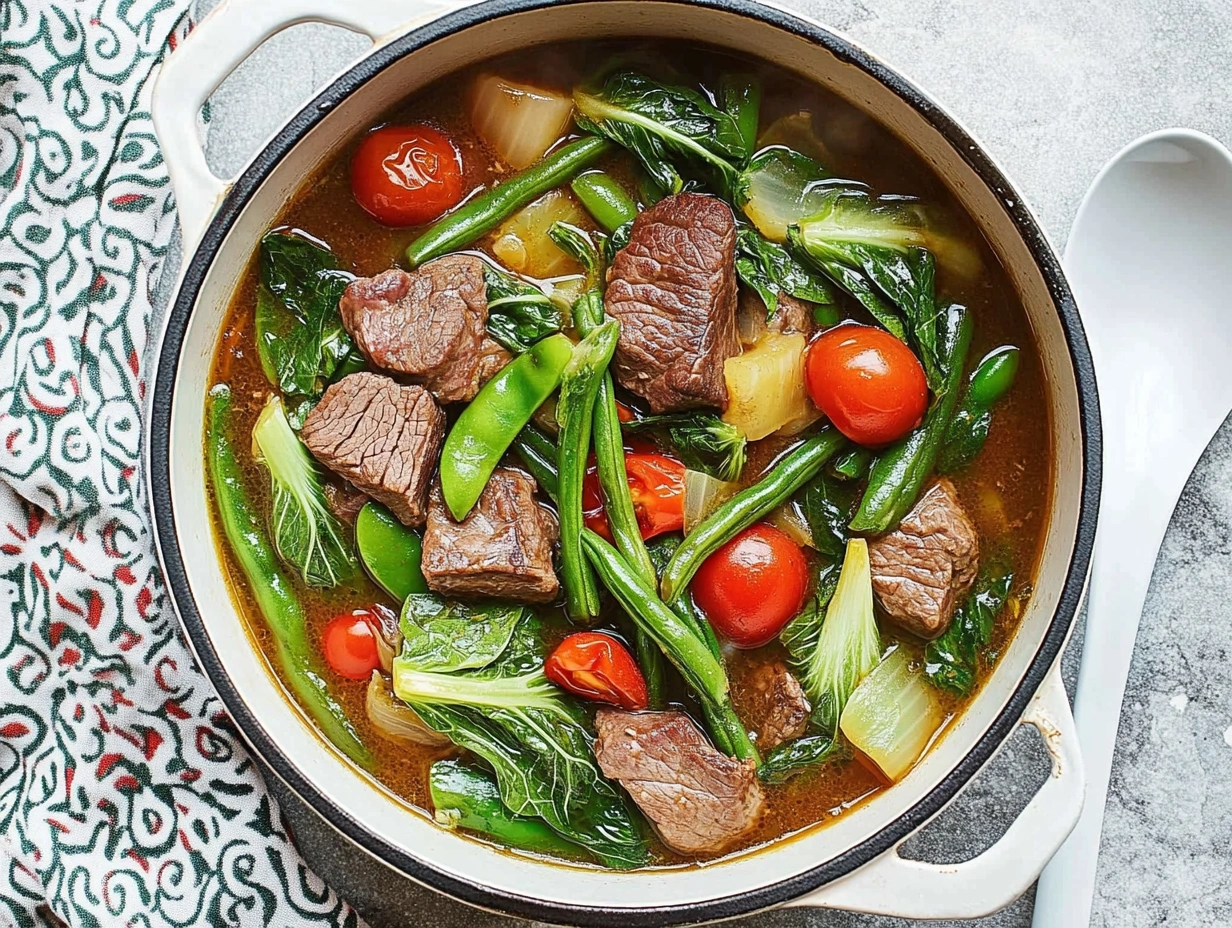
x: 423, y: 871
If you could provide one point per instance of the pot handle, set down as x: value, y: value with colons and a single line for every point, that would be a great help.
x: 891, y: 885
x: 215, y: 47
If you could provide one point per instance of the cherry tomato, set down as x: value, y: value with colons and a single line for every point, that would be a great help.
x: 656, y: 483
x: 407, y: 175
x: 350, y: 644
x: 752, y: 586
x: 598, y: 667
x: 867, y: 382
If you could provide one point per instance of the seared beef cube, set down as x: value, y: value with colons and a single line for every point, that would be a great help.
x: 492, y: 358
x: 673, y: 288
x: 429, y: 323
x: 502, y: 549
x: 382, y: 436
x: 699, y: 799
x: 780, y: 710
x: 923, y: 568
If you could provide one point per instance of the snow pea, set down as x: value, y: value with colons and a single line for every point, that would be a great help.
x: 389, y: 551
x: 483, y: 213
x: 604, y: 199
x: 487, y: 427
x: 244, y: 529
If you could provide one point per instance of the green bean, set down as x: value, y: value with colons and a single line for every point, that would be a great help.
x: 994, y: 377
x: 245, y: 533
x: 895, y: 480
x: 466, y: 797
x: 968, y: 430
x: 538, y: 453
x: 604, y: 199
x: 746, y: 507
x: 487, y: 427
x: 483, y: 213
x: 853, y: 464
x: 579, y: 388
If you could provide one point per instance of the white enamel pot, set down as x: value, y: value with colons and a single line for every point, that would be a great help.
x: 852, y: 863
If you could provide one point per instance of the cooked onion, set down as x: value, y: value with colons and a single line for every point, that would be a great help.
x: 522, y: 242
x: 703, y: 494
x: 765, y: 387
x: 789, y: 520
x: 395, y: 719
x: 519, y: 121
x: 388, y: 635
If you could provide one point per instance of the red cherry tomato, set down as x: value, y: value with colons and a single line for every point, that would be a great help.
x: 752, y: 586
x: 350, y: 644
x: 867, y: 382
x: 406, y: 175
x: 600, y: 668
x: 656, y: 483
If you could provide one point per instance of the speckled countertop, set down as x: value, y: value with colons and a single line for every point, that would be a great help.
x: 1053, y: 89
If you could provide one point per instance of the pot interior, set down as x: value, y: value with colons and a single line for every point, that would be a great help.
x: 350, y: 794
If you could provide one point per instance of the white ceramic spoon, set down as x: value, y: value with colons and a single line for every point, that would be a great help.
x: 1148, y: 261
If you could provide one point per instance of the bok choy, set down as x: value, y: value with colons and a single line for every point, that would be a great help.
x: 519, y: 313
x: 951, y: 662
x: 306, y: 535
x: 703, y: 441
x: 771, y: 270
x: 487, y: 692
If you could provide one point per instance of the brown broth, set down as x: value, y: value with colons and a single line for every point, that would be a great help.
x: 1006, y: 491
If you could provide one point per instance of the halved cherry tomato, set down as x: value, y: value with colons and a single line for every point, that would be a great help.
x: 407, y: 175
x: 350, y: 644
x: 656, y: 483
x: 598, y: 667
x: 867, y: 382
x: 752, y: 586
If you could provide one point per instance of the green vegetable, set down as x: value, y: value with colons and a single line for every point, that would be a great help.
x: 829, y: 505
x: 483, y: 213
x: 771, y: 270
x: 853, y: 465
x: 579, y: 389
x: 667, y: 128
x: 538, y: 454
x: 892, y: 716
x: 746, y: 507
x: 703, y: 440
x: 895, y: 480
x: 779, y: 188
x: 441, y: 635
x: 576, y: 243
x: 833, y: 659
x: 389, y: 551
x: 793, y: 757
x: 466, y: 797
x: 951, y: 662
x: 740, y: 95
x: 604, y: 199
x: 992, y: 379
x: 300, y: 339
x: 534, y: 737
x: 306, y: 535
x: 680, y: 643
x: 519, y: 313
x: 294, y: 652
x: 487, y: 427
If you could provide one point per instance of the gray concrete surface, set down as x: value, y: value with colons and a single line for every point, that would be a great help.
x: 1053, y: 89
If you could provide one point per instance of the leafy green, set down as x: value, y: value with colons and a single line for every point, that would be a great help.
x: 799, y: 636
x: 740, y: 95
x: 854, y: 465
x: 661, y: 550
x: 519, y: 313
x: 577, y: 244
x: 771, y: 270
x: 300, y: 338
x: 992, y: 378
x: 951, y: 661
x: 534, y: 736
x: 792, y: 757
x: 703, y: 440
x: 673, y: 131
x: 780, y: 187
x: 829, y: 505
x: 442, y: 635
x: 305, y: 533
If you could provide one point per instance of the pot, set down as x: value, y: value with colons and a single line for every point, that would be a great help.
x: 852, y: 863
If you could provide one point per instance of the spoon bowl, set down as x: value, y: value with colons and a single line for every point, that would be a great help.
x: 1147, y: 259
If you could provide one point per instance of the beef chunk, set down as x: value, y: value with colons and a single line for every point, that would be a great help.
x: 429, y: 323
x: 673, y: 288
x: 791, y: 317
x: 502, y: 549
x: 343, y: 500
x: 921, y: 569
x: 699, y: 799
x: 381, y: 436
x: 781, y: 709
x: 492, y: 357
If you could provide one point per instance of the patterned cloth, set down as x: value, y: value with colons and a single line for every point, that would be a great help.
x: 126, y: 798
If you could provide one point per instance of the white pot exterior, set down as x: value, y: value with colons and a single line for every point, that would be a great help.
x: 381, y: 822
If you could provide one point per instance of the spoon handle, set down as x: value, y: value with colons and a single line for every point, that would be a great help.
x: 1133, y: 519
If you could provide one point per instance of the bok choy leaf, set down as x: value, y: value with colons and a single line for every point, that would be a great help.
x: 495, y: 701
x: 704, y: 441
x: 771, y: 270
x: 951, y: 662
x: 519, y: 313
x: 305, y: 532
